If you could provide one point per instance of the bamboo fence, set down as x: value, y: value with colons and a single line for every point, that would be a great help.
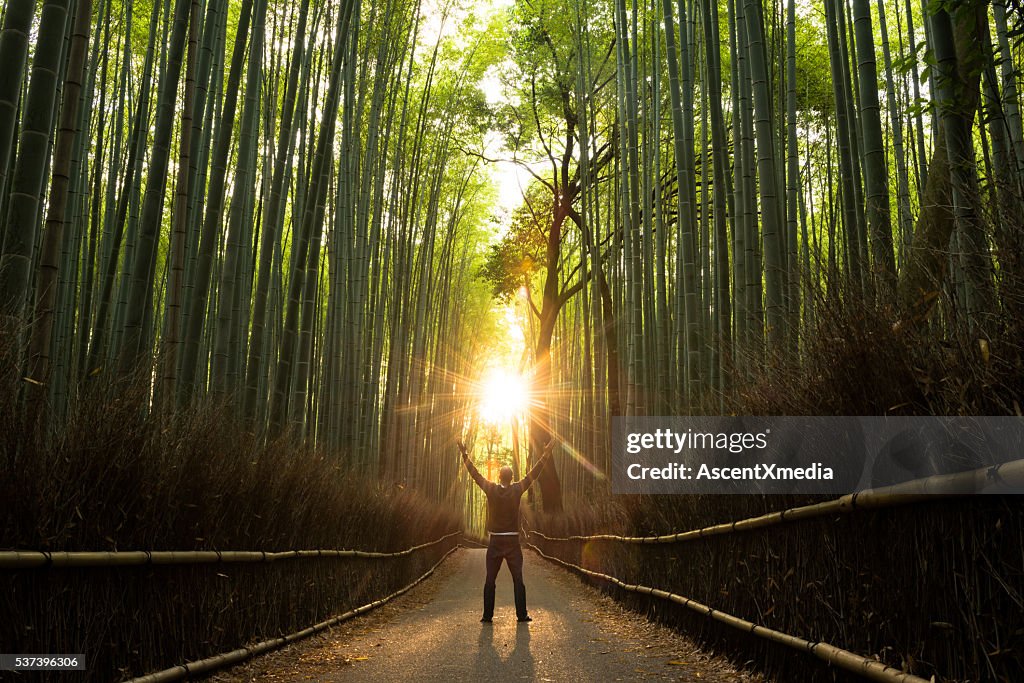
x: 27, y: 559
x: 205, y: 666
x: 844, y: 659
x: 1010, y: 474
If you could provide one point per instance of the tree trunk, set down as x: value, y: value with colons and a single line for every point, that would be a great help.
x: 53, y: 233
x: 922, y: 279
x: 20, y: 227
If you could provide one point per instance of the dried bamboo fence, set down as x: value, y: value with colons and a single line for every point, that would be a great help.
x: 604, y: 562
x: 863, y: 666
x: 23, y: 559
x: 226, y: 659
x: 927, y: 489
x: 316, y: 583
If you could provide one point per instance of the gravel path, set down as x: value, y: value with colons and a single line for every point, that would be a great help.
x: 433, y: 633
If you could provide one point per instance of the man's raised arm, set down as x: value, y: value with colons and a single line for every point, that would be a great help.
x: 473, y: 471
x: 531, y: 476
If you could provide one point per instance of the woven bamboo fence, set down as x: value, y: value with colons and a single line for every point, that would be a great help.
x: 927, y: 489
x: 24, y: 559
x: 205, y: 666
x: 306, y: 584
x: 889, y: 581
x: 844, y: 659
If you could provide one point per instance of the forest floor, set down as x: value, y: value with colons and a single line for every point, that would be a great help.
x: 433, y: 633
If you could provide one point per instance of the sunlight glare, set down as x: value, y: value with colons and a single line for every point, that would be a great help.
x: 503, y: 396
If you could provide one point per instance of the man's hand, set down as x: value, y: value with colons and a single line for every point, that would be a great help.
x: 548, y: 448
x: 462, y: 448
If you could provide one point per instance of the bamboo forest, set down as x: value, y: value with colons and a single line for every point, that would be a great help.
x: 267, y: 265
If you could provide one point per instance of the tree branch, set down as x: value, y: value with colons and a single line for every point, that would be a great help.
x: 513, y: 160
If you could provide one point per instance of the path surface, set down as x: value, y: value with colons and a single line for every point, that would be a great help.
x: 433, y: 633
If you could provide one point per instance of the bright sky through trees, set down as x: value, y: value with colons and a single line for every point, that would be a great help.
x: 509, y: 178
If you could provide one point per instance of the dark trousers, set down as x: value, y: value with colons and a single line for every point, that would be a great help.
x: 505, y: 548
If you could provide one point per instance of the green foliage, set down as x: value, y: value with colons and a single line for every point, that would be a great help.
x: 540, y: 78
x: 519, y: 255
x: 814, y: 85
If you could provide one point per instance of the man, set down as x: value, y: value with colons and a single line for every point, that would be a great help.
x: 503, y: 528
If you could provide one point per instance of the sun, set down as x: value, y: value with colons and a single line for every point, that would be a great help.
x: 503, y: 395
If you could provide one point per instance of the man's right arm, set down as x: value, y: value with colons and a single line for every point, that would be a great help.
x: 473, y: 471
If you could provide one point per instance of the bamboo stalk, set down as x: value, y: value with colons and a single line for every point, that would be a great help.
x: 844, y: 659
x: 915, y: 491
x: 24, y: 559
x: 204, y: 666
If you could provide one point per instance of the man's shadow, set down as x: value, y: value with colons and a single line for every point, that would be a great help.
x: 517, y: 664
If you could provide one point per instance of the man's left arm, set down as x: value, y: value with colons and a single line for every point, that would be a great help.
x: 531, y: 476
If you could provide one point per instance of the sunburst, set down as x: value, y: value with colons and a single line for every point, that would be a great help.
x: 503, y: 396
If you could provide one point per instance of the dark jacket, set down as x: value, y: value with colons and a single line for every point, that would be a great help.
x: 503, y: 501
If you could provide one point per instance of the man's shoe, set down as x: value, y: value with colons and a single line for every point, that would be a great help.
x: 485, y: 620
x: 524, y: 619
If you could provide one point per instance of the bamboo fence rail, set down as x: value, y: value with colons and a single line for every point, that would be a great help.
x: 914, y: 491
x: 205, y: 666
x: 844, y: 659
x: 25, y: 559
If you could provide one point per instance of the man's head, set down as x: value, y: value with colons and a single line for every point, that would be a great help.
x: 505, y: 475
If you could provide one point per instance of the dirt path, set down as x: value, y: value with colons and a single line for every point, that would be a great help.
x: 433, y: 634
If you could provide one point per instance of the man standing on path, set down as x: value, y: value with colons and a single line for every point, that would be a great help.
x: 503, y: 528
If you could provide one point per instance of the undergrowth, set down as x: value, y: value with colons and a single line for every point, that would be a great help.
x: 860, y: 359
x: 119, y: 477
x: 933, y: 589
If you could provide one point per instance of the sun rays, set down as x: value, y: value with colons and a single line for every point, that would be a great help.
x: 503, y: 396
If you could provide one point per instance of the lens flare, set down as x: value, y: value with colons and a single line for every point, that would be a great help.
x: 504, y: 395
